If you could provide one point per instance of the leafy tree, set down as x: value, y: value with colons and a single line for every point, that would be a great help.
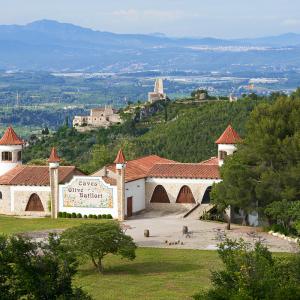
x: 266, y: 167
x: 252, y: 273
x: 284, y: 213
x: 31, y: 270
x: 95, y: 241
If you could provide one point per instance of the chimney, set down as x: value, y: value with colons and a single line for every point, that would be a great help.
x: 120, y: 168
x: 54, y: 183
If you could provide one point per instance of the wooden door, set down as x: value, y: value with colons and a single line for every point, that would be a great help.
x: 129, y: 207
x: 185, y: 195
x: 34, y: 203
x: 160, y: 195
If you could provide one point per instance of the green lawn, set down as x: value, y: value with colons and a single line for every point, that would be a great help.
x: 11, y: 225
x: 154, y: 274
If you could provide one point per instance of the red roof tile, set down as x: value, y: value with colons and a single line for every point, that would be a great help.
x: 53, y: 156
x: 36, y: 175
x: 229, y: 136
x: 212, y: 161
x: 185, y: 170
x: 139, y: 168
x: 10, y: 138
x: 120, y: 159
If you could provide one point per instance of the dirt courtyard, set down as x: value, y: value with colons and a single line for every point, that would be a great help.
x: 166, y: 232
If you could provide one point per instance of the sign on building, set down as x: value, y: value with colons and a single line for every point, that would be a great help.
x: 88, y: 193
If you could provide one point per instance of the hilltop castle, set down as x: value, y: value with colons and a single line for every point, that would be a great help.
x: 99, y: 117
x: 158, y: 93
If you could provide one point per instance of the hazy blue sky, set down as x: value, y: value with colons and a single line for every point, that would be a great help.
x: 219, y: 18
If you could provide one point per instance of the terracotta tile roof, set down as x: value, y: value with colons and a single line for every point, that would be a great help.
x: 36, y: 175
x: 120, y: 159
x: 10, y: 138
x: 53, y: 156
x: 185, y: 170
x: 229, y: 136
x: 212, y: 161
x: 110, y: 181
x: 139, y: 168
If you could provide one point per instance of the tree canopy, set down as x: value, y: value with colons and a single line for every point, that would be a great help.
x: 266, y: 167
x: 95, y: 241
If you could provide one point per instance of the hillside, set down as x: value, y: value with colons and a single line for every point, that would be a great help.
x: 187, y: 135
x: 53, y: 46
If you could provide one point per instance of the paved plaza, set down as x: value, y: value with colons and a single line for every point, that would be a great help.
x: 166, y: 232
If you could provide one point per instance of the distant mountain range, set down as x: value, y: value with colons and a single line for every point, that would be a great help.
x: 53, y: 46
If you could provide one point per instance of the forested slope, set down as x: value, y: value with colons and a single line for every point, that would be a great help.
x: 185, y: 133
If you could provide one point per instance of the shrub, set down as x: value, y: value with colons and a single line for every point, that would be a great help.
x: 69, y: 215
x: 103, y: 216
x: 90, y: 216
x: 64, y: 214
x: 99, y: 216
x: 85, y: 216
x: 94, y: 216
x: 79, y: 215
x: 60, y: 214
x: 109, y: 216
x: 74, y: 215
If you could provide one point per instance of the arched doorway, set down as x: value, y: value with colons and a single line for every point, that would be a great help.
x: 185, y: 195
x: 160, y: 195
x: 34, y: 203
x: 206, y: 196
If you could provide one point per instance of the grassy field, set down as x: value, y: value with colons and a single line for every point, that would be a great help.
x: 155, y: 274
x: 11, y: 225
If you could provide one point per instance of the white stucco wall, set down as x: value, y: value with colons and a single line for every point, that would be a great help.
x: 86, y: 211
x: 19, y: 196
x: 136, y: 190
x: 6, y: 166
x: 228, y: 148
x: 5, y: 201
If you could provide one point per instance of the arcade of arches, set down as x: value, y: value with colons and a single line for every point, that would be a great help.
x: 185, y: 195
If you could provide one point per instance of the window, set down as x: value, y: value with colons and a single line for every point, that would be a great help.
x: 0, y: 195
x: 223, y: 155
x: 6, y: 156
x: 19, y: 155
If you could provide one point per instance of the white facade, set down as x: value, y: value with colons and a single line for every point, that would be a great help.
x: 136, y: 190
x: 16, y: 157
x: 229, y: 149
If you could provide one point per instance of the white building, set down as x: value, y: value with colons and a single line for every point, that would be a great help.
x: 121, y: 189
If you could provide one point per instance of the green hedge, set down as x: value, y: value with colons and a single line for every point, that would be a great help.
x: 80, y: 216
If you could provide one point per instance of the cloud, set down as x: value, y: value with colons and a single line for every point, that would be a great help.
x: 291, y: 22
x: 170, y: 15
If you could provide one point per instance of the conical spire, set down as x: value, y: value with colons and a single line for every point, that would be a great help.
x: 54, y: 158
x: 120, y: 159
x: 229, y: 136
x: 10, y: 138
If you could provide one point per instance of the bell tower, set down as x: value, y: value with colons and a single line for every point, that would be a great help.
x: 11, y: 147
x: 227, y: 143
x: 120, y: 168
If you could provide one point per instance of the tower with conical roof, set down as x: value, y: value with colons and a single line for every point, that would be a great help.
x: 10, y: 151
x: 227, y: 143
